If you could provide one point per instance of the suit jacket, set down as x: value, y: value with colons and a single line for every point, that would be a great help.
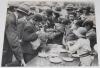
x: 11, y: 37
x: 20, y: 26
x: 29, y: 35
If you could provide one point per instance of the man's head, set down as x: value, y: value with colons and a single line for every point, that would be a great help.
x: 37, y: 17
x: 22, y: 11
x: 71, y: 16
x: 72, y: 36
x: 78, y: 12
x: 88, y: 24
x: 49, y: 12
x: 79, y: 23
x: 12, y: 8
x: 84, y: 10
x: 69, y: 8
x: 57, y: 11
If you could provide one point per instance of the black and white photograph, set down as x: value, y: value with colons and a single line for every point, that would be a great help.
x: 50, y: 33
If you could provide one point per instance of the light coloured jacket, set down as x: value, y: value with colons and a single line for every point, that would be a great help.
x: 82, y: 46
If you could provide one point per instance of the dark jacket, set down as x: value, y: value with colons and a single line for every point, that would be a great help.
x: 11, y: 37
x: 29, y: 35
x: 20, y: 26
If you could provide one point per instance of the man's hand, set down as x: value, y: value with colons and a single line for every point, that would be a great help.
x: 68, y: 51
x: 38, y: 32
x: 23, y: 62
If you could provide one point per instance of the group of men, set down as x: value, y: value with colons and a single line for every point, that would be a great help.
x: 72, y: 27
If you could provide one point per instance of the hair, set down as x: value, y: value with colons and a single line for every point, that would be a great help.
x: 66, y: 22
x: 90, y: 23
x: 79, y: 23
x: 12, y: 8
x: 72, y: 36
x: 49, y: 11
x: 37, y: 17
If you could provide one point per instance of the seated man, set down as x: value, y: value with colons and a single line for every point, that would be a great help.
x: 29, y: 35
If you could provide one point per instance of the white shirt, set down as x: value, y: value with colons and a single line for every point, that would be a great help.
x: 82, y: 46
x: 16, y: 15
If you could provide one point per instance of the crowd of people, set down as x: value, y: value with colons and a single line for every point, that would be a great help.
x: 31, y: 29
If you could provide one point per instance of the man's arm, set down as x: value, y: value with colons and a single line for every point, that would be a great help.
x: 75, y: 47
x: 29, y: 34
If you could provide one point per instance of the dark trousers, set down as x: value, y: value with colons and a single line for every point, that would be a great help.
x: 6, y: 57
x: 27, y: 58
x: 8, y: 54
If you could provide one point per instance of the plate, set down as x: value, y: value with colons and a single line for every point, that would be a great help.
x: 55, y: 60
x: 75, y: 55
x: 67, y: 59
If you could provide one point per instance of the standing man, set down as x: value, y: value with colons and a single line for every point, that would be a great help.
x: 82, y: 46
x: 29, y: 36
x: 11, y: 40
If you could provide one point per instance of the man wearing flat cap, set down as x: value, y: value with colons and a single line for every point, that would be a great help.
x: 12, y: 44
x: 57, y: 14
x: 69, y: 8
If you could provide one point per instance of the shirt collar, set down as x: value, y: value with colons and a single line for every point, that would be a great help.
x: 16, y: 15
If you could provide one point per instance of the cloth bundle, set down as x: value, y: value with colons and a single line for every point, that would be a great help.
x: 36, y: 44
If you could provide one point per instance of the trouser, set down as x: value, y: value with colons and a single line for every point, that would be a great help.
x: 86, y: 61
x: 14, y: 64
x: 8, y: 54
x: 6, y: 57
x: 28, y: 57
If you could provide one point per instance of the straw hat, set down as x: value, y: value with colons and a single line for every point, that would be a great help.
x: 57, y: 10
x: 23, y: 9
x: 69, y: 6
